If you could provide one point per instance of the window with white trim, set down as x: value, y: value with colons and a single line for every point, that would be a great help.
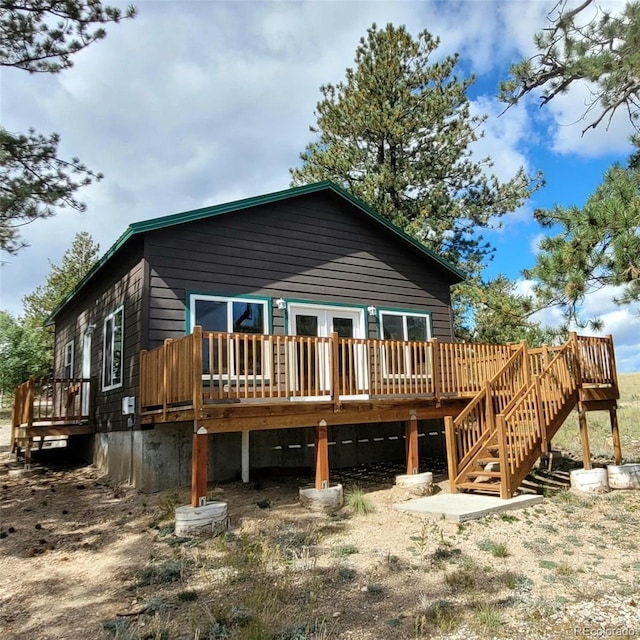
x: 232, y: 315
x: 401, y: 326
x: 113, y: 350
x: 67, y: 367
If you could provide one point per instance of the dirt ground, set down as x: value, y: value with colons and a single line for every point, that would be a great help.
x: 82, y: 558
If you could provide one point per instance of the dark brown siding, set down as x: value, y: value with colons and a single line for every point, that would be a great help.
x: 119, y: 282
x: 316, y: 247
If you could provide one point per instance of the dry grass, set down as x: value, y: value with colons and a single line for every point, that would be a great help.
x: 599, y: 426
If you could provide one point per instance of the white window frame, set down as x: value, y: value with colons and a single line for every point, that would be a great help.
x: 408, y: 373
x: 67, y: 362
x: 112, y: 316
x: 229, y: 300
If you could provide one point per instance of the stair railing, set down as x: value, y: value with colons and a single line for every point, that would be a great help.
x: 523, y: 426
x: 469, y: 433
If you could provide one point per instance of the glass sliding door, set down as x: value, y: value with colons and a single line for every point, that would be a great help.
x: 314, y: 358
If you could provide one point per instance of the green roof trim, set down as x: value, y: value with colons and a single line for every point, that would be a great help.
x: 163, y: 222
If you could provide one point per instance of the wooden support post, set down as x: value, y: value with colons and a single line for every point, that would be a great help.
x: 615, y: 435
x: 584, y: 436
x: 322, y: 456
x: 506, y: 490
x: 30, y: 401
x: 411, y: 432
x: 245, y: 456
x: 14, y: 428
x: 199, y: 464
x: 542, y: 425
x: 452, y: 453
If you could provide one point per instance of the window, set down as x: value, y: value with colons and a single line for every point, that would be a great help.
x: 113, y: 350
x: 67, y: 368
x: 231, y: 315
x: 403, y: 326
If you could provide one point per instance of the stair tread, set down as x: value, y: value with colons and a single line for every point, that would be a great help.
x: 480, y: 472
x: 480, y: 486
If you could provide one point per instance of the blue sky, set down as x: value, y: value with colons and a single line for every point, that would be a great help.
x: 202, y: 102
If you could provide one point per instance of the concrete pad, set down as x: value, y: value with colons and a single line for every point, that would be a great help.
x: 459, y: 507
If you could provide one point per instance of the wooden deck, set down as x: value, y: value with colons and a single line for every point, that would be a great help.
x: 502, y: 404
x: 51, y: 408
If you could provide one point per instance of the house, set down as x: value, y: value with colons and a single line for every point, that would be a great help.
x: 300, y: 317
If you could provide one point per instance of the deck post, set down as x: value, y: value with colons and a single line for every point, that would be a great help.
x: 322, y: 455
x: 506, y: 490
x: 525, y: 362
x: 335, y: 372
x: 199, y: 463
x: 245, y: 456
x: 29, y: 403
x: 544, y: 445
x: 411, y: 432
x: 584, y: 435
x: 615, y: 435
x: 435, y: 369
x: 612, y: 363
x: 452, y: 455
x: 165, y: 377
x: 196, y: 358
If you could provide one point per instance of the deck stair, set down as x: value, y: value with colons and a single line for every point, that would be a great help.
x: 495, y: 441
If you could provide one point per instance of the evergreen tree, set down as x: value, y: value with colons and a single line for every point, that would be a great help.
x: 76, y: 263
x: 501, y: 315
x: 397, y: 134
x: 23, y: 350
x: 41, y: 36
x: 584, y: 43
x: 597, y: 245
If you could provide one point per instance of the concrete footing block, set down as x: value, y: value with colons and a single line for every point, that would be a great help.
x: 590, y: 480
x: 327, y: 500
x: 25, y: 471
x: 417, y: 484
x: 208, y: 519
x: 624, y: 476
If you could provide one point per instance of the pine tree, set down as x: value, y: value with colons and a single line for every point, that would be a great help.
x: 597, y: 245
x: 76, y: 263
x: 584, y: 43
x: 41, y: 36
x: 398, y: 133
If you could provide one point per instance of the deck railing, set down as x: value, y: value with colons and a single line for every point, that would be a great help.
x: 206, y: 367
x: 524, y: 423
x: 219, y: 367
x: 52, y: 400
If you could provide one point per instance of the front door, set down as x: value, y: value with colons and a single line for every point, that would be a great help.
x: 313, y: 359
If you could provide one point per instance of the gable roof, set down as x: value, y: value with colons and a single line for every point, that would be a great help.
x: 138, y: 228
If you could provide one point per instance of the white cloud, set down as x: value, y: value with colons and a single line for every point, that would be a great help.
x: 623, y: 323
x: 196, y: 103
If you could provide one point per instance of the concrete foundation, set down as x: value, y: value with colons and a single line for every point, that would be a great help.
x: 590, y: 480
x: 327, y: 500
x: 208, y: 519
x: 417, y: 484
x: 160, y: 458
x: 624, y: 476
